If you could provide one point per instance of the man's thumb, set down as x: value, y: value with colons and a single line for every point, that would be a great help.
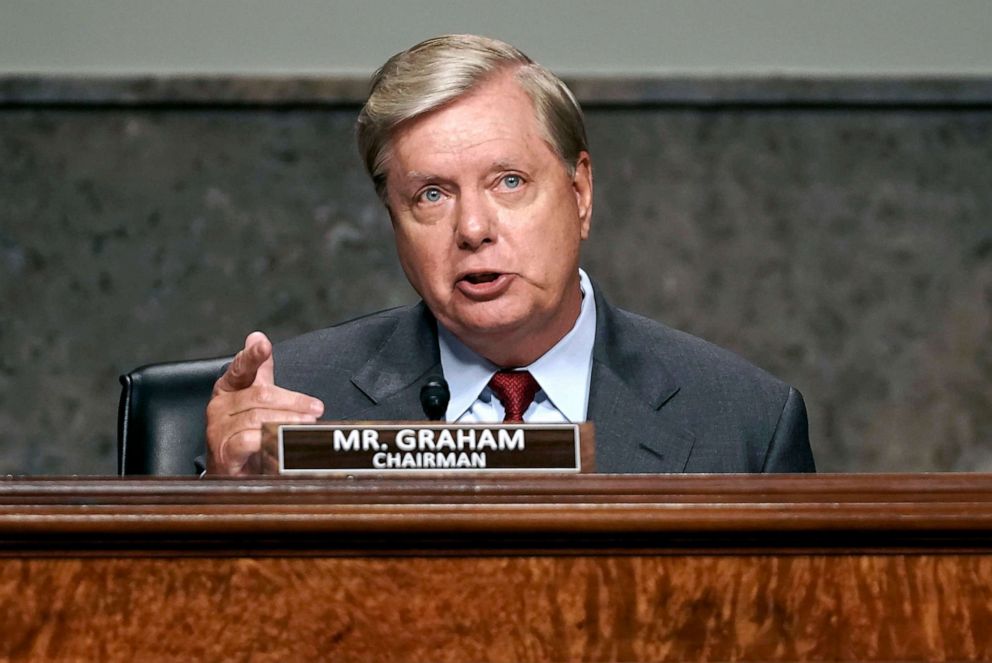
x: 266, y: 370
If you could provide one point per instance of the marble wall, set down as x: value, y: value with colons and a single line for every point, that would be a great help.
x: 846, y: 247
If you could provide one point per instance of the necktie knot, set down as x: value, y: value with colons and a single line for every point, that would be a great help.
x: 516, y: 391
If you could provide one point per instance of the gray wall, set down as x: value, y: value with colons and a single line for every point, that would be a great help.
x: 845, y: 246
x: 624, y: 37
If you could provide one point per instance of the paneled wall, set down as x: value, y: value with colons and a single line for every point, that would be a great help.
x: 837, y: 233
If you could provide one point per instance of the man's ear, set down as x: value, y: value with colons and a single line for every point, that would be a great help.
x: 582, y: 185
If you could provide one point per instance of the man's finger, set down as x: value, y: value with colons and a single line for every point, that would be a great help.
x: 269, y: 397
x: 254, y: 419
x: 244, y: 369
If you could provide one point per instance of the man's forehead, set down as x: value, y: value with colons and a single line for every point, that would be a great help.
x: 471, y: 139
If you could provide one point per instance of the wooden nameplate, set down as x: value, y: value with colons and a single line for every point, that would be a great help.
x: 388, y: 448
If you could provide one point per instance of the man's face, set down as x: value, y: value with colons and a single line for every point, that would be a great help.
x: 488, y: 222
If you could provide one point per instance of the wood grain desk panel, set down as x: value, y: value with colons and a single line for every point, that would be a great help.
x: 599, y: 568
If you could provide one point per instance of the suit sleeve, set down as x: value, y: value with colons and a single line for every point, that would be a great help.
x: 789, y: 449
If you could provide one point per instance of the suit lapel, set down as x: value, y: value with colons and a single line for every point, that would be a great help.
x: 394, y: 374
x: 629, y: 389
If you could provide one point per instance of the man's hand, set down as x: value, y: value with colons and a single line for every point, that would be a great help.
x: 244, y: 398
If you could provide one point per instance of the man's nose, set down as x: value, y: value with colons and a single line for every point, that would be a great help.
x: 476, y: 222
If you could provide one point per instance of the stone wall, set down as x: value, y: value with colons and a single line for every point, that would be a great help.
x: 842, y: 242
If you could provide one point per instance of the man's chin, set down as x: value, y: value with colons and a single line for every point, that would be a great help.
x: 485, y: 323
x: 483, y: 328
x: 507, y: 336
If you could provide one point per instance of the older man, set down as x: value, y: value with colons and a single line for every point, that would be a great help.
x: 480, y: 157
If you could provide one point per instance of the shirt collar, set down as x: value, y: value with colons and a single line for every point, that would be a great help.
x: 563, y: 371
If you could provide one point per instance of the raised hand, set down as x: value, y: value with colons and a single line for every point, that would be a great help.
x: 244, y: 398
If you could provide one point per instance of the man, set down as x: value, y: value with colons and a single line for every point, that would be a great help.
x: 480, y: 157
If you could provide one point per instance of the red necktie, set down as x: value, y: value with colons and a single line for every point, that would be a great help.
x: 515, y: 390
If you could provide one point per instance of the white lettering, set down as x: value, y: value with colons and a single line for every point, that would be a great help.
x: 514, y: 442
x: 425, y: 437
x: 444, y: 440
x: 426, y: 441
x: 370, y: 439
x: 466, y: 437
x: 486, y: 440
x: 428, y: 460
x: 406, y: 440
x: 347, y: 442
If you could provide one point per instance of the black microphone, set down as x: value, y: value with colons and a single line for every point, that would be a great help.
x: 434, y: 397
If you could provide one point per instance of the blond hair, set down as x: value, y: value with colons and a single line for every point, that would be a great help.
x: 440, y: 70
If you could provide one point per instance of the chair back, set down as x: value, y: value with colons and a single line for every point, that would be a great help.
x: 162, y: 416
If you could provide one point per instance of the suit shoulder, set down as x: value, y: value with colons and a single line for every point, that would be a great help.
x: 743, y: 419
x: 693, y: 360
x: 736, y: 416
x: 345, y: 344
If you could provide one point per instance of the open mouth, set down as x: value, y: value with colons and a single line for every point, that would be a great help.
x: 484, y: 286
x: 482, y: 277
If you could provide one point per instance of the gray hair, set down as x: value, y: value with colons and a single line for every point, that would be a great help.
x: 438, y: 71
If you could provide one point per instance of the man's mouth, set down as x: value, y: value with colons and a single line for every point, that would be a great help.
x: 484, y: 286
x: 481, y: 277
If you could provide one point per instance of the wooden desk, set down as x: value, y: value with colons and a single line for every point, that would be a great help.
x: 844, y: 567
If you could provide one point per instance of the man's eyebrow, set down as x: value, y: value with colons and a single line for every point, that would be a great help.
x: 417, y: 176
x: 415, y: 179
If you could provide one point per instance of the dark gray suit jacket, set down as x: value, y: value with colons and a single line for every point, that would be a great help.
x: 661, y: 400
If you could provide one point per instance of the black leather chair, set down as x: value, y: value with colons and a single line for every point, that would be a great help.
x: 162, y: 416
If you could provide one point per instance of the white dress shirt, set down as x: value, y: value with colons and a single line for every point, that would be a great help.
x: 563, y: 372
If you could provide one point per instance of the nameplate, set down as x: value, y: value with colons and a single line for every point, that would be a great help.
x: 423, y: 448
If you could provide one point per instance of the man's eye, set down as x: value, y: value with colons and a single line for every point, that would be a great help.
x: 431, y: 195
x: 512, y: 181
